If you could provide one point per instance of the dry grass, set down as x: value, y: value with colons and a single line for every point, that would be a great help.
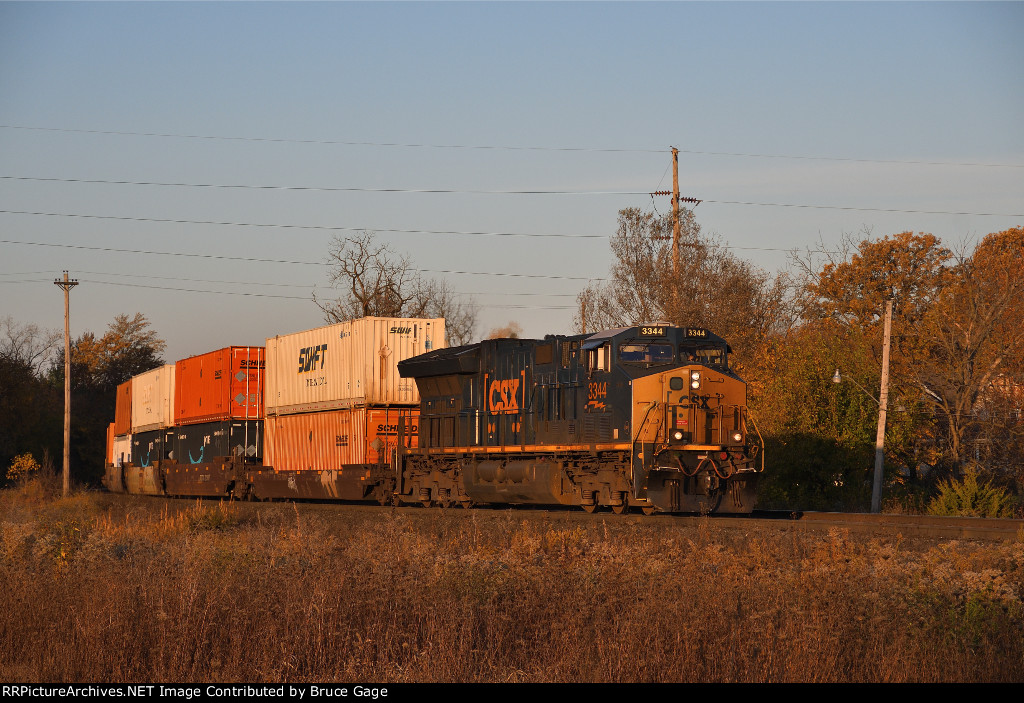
x: 102, y: 588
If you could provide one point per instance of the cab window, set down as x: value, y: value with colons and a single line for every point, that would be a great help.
x: 640, y: 353
x: 707, y: 354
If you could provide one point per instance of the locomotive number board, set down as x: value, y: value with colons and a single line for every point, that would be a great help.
x: 652, y: 331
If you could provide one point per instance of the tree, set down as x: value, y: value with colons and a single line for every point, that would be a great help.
x: 27, y: 344
x: 377, y: 282
x: 128, y: 347
x: 714, y: 289
x: 957, y: 323
x: 972, y: 340
x: 910, y: 269
x: 30, y: 409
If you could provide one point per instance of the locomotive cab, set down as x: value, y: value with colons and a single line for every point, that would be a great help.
x: 693, y: 451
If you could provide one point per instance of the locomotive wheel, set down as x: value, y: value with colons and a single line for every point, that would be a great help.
x: 427, y: 503
x: 590, y: 508
x: 648, y: 509
x: 621, y: 509
x: 466, y: 503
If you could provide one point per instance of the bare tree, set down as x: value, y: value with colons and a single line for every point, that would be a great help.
x: 377, y: 282
x: 28, y: 344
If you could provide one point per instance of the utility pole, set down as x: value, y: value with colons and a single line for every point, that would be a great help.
x: 883, y: 404
x: 676, y: 225
x: 675, y: 214
x: 67, y: 285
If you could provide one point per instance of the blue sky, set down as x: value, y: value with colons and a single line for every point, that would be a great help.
x: 870, y: 87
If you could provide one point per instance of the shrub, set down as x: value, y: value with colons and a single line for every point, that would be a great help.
x: 968, y: 498
x: 23, y: 466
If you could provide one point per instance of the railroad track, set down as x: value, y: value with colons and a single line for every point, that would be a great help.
x: 923, y: 526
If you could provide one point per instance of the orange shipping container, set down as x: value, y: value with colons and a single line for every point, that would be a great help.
x: 226, y: 384
x: 333, y: 439
x: 123, y: 409
x: 110, y: 443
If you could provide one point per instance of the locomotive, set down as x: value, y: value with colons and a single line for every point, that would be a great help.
x: 650, y: 417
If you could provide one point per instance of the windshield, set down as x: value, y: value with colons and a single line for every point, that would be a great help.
x: 709, y: 355
x: 639, y: 353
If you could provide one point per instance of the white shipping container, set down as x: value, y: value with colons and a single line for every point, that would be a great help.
x: 347, y: 364
x: 153, y: 399
x: 122, y: 450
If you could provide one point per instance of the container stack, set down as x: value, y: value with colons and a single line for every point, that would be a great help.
x: 152, y: 416
x: 218, y: 406
x: 335, y: 397
x: 119, y: 434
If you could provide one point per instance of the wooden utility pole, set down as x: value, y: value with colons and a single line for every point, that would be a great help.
x: 67, y: 285
x: 677, y: 225
x: 883, y: 404
x: 675, y: 215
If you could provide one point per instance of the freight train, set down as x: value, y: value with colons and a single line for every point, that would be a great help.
x: 649, y: 417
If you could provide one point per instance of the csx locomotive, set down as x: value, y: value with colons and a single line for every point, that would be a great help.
x: 648, y: 416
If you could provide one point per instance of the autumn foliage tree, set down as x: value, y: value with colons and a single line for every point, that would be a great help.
x: 128, y: 347
x: 958, y: 338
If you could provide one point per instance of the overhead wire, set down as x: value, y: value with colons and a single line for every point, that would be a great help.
x: 499, y: 147
x: 282, y: 261
x: 493, y: 192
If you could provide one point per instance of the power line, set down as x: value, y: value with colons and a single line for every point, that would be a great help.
x: 435, y: 191
x: 222, y: 257
x: 281, y: 297
x: 325, y: 189
x: 494, y: 147
x: 368, y: 229
x: 327, y: 228
x: 491, y: 147
x: 867, y: 209
x: 276, y: 285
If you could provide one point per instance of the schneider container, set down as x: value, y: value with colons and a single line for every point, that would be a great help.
x: 347, y: 365
x: 221, y: 385
x: 333, y: 439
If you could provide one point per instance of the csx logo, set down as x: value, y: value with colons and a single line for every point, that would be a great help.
x: 401, y: 330
x: 501, y: 397
x: 309, y: 357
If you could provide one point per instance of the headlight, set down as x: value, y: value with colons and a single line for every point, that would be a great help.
x: 737, y: 437
x: 695, y: 380
x: 677, y: 435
